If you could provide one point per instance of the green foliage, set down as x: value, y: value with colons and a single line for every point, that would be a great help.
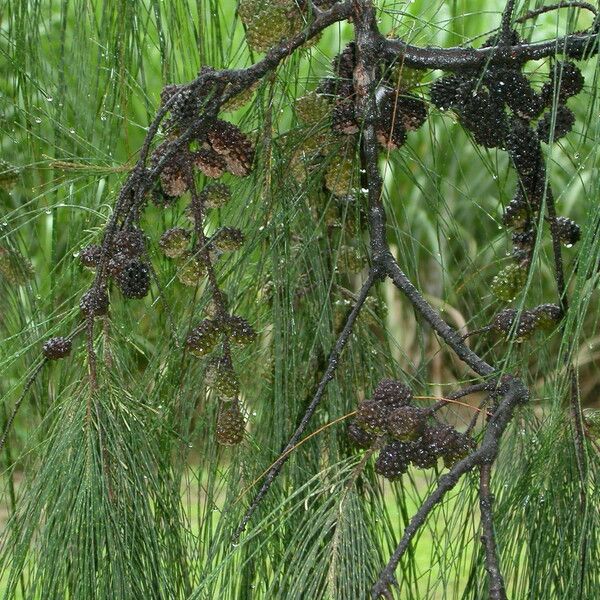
x: 121, y: 491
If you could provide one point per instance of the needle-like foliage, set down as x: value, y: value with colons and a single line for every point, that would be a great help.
x: 291, y: 291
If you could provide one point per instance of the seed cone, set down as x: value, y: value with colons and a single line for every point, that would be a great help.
x: 230, y: 424
x: 90, y: 256
x: 482, y: 114
x: 57, y: 347
x: 390, y: 130
x: 343, y: 64
x: 222, y: 378
x: 555, y: 125
x: 392, y: 461
x: 173, y: 181
x: 359, y: 437
x: 267, y: 28
x: 233, y: 146
x: 215, y: 195
x: 392, y: 394
x: 174, y: 241
x: 406, y: 423
x: 523, y: 146
x: 14, y: 267
x: 517, y: 211
x: 228, y: 239
x: 547, y: 315
x: 568, y: 231
x: 240, y: 100
x: 523, y: 239
x: 190, y: 269
x: 343, y: 119
x: 312, y: 108
x: 425, y: 451
x: 204, y: 337
x: 458, y: 446
x: 444, y: 92
x: 505, y: 320
x: 130, y: 242
x: 117, y: 263
x: 566, y: 80
x: 134, y: 279
x: 509, y: 282
x: 94, y: 302
x: 512, y: 87
x: 339, y: 175
x: 371, y: 416
x: 209, y: 163
x: 412, y: 111
x: 240, y: 331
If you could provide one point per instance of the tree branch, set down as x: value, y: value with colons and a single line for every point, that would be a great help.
x: 575, y: 45
x: 372, y: 47
x: 496, y: 589
x: 332, y: 365
x: 532, y: 14
x: 447, y: 333
x: 506, y: 25
x: 514, y: 393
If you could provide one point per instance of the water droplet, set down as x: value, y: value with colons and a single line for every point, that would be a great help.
x: 49, y: 98
x: 38, y: 120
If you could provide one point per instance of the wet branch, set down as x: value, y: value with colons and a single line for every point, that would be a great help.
x: 513, y: 393
x: 496, y: 588
x: 370, y: 45
x: 332, y: 364
x: 371, y: 48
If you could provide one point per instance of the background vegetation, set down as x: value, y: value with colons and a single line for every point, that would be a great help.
x: 82, y: 83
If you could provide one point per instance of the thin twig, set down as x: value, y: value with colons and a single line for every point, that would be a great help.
x: 466, y: 391
x: 15, y: 410
x: 514, y: 394
x: 332, y: 365
x: 536, y: 12
x: 496, y: 589
x: 447, y: 333
x: 475, y: 417
x: 505, y: 25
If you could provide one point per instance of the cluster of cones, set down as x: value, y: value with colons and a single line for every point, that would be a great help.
x: 406, y: 434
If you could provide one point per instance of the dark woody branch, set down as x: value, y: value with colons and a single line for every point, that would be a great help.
x: 332, y: 365
x: 513, y: 393
x: 576, y: 45
x: 371, y: 48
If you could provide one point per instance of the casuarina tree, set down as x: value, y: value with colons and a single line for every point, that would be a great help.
x: 300, y: 300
